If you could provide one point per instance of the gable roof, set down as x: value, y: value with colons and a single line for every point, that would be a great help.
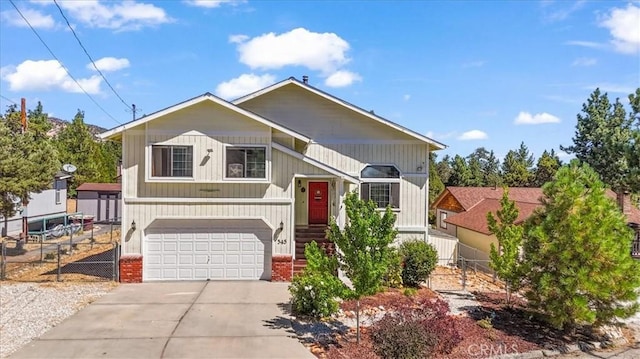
x: 478, y: 201
x: 476, y: 218
x: 468, y: 197
x: 293, y: 81
x: 315, y: 163
x: 199, y: 99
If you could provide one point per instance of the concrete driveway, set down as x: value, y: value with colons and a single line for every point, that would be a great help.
x: 177, y: 320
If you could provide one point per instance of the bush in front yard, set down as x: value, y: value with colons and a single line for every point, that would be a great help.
x: 420, y: 260
x: 393, y: 277
x: 416, y: 331
x: 397, y: 336
x: 315, y: 291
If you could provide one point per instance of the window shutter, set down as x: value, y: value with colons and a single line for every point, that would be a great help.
x: 364, y: 192
x: 395, y: 195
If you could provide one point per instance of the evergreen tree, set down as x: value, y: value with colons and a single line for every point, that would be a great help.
x: 76, y: 146
x: 492, y: 171
x: 603, y: 139
x: 435, y: 183
x: 576, y: 253
x: 28, y: 162
x: 516, y: 167
x: 444, y: 169
x: 460, y: 172
x: 505, y: 260
x: 546, y: 168
x: 476, y: 178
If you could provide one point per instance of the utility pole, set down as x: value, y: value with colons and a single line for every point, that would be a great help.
x: 25, y: 224
x: 133, y: 110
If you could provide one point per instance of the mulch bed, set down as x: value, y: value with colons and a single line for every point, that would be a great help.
x: 513, y: 330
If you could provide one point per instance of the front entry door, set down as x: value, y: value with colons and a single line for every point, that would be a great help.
x: 318, y: 202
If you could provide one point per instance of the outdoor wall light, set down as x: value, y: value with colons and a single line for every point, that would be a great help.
x: 281, y: 225
x: 299, y: 183
x: 133, y: 225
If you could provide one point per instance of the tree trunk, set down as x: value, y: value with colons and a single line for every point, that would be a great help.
x: 358, y: 321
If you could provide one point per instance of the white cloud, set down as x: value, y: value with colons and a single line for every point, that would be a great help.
x: 210, y: 4
x: 473, y: 135
x: 342, y: 78
x: 122, y: 16
x: 406, y: 97
x: 236, y: 39
x: 589, y: 44
x: 560, y: 14
x: 37, y: 19
x: 325, y: 52
x: 244, y: 85
x: 46, y: 75
x: 525, y: 118
x: 624, y: 26
x: 584, y: 61
x: 110, y: 64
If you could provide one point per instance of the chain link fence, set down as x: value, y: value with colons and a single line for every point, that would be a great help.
x: 74, y: 255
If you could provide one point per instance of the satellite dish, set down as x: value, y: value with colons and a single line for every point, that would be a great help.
x: 14, y: 199
x: 69, y: 168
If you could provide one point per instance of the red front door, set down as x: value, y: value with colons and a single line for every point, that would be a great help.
x: 318, y: 202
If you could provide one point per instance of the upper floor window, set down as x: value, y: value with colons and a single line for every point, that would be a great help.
x: 381, y: 184
x: 246, y: 162
x: 171, y: 161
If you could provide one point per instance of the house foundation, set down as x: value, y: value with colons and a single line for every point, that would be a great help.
x: 281, y: 268
x: 131, y: 268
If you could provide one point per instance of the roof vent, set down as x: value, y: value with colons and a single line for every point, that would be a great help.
x: 305, y: 79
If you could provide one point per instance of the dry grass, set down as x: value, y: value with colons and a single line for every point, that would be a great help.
x: 449, y: 278
x: 46, y: 271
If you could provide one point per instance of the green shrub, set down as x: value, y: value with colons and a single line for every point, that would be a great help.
x: 393, y: 277
x: 410, y: 292
x: 315, y: 290
x: 420, y: 260
x: 397, y: 336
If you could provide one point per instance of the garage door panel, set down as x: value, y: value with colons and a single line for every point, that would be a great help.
x: 200, y: 252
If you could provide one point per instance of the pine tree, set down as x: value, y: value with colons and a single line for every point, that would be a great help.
x: 602, y: 139
x: 28, y: 162
x: 516, y: 167
x: 546, y: 168
x: 576, y: 253
x: 435, y: 183
x: 505, y: 260
x: 460, y: 172
x: 76, y: 146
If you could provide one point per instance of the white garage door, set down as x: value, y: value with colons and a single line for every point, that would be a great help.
x: 208, y: 249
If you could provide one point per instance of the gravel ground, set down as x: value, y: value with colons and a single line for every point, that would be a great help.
x: 28, y: 310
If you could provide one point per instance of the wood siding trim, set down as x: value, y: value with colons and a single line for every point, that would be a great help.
x: 209, y: 200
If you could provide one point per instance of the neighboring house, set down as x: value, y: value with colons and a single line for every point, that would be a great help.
x: 48, y: 203
x: 102, y: 201
x: 462, y: 212
x: 233, y: 190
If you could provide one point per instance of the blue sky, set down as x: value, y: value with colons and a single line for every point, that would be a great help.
x: 466, y: 73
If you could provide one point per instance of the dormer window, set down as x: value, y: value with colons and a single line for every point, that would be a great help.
x: 381, y: 184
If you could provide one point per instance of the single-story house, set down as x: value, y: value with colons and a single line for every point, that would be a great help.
x: 102, y: 201
x: 48, y: 203
x: 462, y: 212
x: 219, y: 190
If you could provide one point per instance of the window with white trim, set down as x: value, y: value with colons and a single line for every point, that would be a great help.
x: 381, y: 184
x: 246, y: 162
x: 171, y: 161
x: 443, y: 217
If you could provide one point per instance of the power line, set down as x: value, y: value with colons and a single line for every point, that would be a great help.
x: 89, y: 56
x: 61, y: 64
x: 8, y: 99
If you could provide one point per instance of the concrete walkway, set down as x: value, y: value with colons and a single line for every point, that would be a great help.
x: 178, y: 320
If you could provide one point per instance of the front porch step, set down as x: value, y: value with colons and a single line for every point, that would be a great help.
x: 299, y: 265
